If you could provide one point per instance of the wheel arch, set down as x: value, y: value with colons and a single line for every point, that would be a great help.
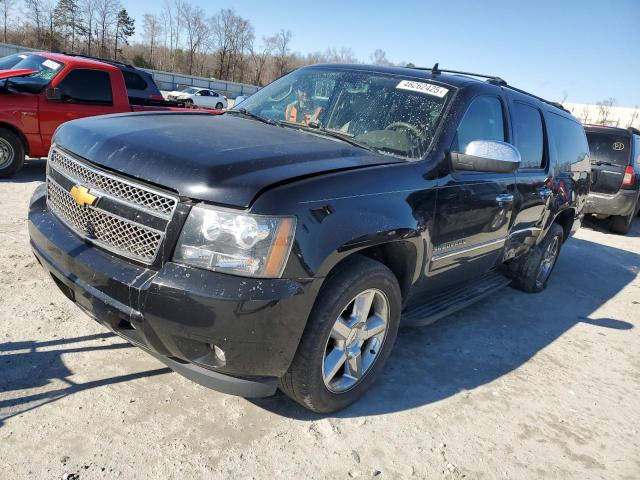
x: 565, y: 218
x: 19, y: 134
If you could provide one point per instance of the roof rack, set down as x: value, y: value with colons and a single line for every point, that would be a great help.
x: 105, y: 60
x: 493, y: 80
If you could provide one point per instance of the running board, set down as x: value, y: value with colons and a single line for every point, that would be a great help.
x: 454, y: 299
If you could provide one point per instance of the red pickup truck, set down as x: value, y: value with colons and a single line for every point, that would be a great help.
x: 43, y: 90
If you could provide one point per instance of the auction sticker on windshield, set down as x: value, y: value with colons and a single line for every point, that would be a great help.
x: 51, y: 64
x: 422, y: 87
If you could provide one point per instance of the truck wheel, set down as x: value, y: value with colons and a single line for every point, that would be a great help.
x: 531, y: 273
x: 348, y: 337
x: 11, y: 153
x: 622, y: 225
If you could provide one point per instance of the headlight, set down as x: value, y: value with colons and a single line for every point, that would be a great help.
x: 237, y: 243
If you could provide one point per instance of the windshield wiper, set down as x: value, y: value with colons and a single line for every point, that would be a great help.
x: 329, y: 132
x: 246, y: 113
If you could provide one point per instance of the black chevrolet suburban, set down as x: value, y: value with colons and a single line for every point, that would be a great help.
x: 282, y: 243
x: 615, y: 175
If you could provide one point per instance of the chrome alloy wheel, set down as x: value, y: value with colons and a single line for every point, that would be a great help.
x: 355, y: 340
x: 548, y: 260
x: 6, y: 153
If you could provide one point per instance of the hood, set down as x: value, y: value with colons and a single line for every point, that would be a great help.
x: 222, y: 159
x: 18, y: 72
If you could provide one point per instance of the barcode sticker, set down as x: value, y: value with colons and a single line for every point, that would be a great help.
x: 422, y: 87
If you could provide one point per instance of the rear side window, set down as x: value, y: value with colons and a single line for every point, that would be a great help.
x: 528, y: 135
x: 606, y: 149
x: 133, y: 81
x: 569, y: 139
x: 482, y: 121
x: 87, y: 86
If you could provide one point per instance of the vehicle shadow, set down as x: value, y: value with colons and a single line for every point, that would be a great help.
x: 34, y: 170
x: 493, y: 337
x: 29, y: 364
x: 603, y: 226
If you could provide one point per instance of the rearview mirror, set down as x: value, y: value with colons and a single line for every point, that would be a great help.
x: 53, y: 95
x: 487, y: 156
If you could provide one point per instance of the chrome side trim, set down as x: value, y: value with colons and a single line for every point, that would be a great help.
x: 477, y: 246
x: 522, y: 230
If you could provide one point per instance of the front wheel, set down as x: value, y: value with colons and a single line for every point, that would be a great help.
x: 219, y: 106
x: 11, y: 153
x: 348, y: 338
x: 531, y: 273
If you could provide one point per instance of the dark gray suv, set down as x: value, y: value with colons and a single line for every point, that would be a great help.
x: 615, y: 172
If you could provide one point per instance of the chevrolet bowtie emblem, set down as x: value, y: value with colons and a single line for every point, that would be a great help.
x: 82, y: 196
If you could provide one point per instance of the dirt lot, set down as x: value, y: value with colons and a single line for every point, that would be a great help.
x: 517, y: 386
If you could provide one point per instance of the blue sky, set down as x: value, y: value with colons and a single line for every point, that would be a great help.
x: 588, y: 50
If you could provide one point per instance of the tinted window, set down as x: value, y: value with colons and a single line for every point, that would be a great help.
x: 606, y: 148
x: 134, y: 81
x: 204, y: 93
x: 483, y: 121
x: 87, y: 86
x: 528, y: 136
x: 569, y: 139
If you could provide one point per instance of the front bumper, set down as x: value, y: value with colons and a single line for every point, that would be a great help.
x: 233, y: 334
x: 621, y: 203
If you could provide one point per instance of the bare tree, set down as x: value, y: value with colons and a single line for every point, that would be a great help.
x: 282, y: 59
x: 106, y: 19
x: 344, y: 55
x: 196, y: 31
x: 35, y: 14
x: 88, y: 8
x: 6, y: 7
x: 634, y: 116
x: 259, y: 58
x: 151, y: 31
x: 379, y: 57
x: 586, y: 115
x: 604, y: 110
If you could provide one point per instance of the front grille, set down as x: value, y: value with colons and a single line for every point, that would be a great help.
x: 100, y: 224
x: 114, y: 186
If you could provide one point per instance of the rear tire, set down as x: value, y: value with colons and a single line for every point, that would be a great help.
x: 532, y: 272
x: 622, y: 225
x: 336, y: 361
x: 11, y: 153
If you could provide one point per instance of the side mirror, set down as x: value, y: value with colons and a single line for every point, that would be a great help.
x: 54, y: 95
x: 487, y: 156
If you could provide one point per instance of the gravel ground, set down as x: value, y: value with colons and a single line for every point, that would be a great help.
x: 518, y: 386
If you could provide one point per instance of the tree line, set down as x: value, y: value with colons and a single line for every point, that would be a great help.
x: 181, y: 37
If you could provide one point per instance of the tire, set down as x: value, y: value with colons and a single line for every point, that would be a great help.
x: 11, y: 153
x: 219, y: 106
x: 622, y: 225
x: 527, y: 272
x: 357, y: 278
x: 188, y: 103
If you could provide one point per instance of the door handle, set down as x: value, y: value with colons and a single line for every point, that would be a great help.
x: 503, y: 199
x: 545, y: 193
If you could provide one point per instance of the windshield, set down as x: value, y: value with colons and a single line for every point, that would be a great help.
x: 610, y: 149
x: 46, y: 70
x: 387, y: 113
x: 190, y: 90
